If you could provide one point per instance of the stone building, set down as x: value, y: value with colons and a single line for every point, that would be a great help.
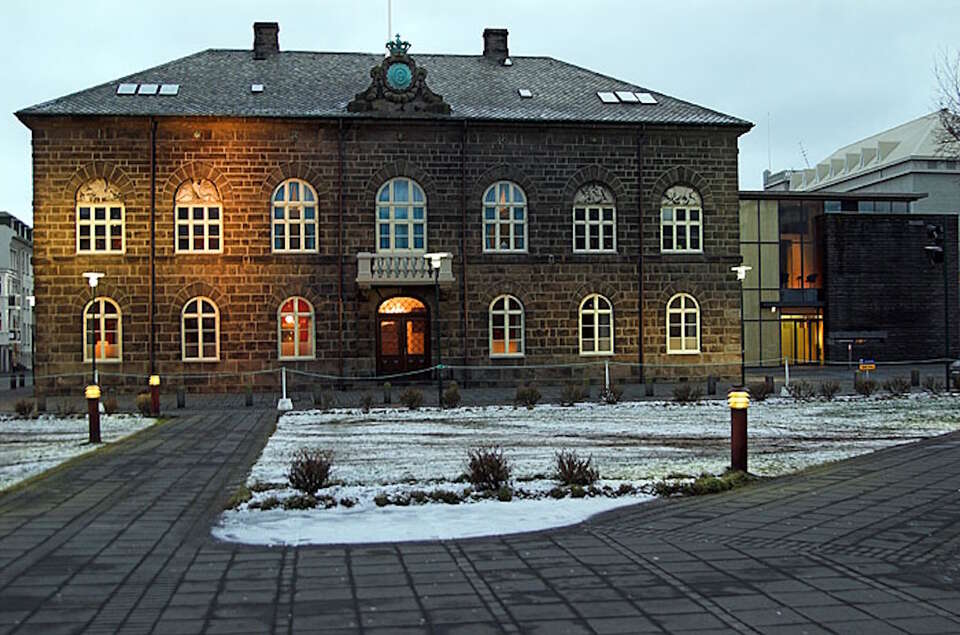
x: 252, y: 209
x: 16, y: 290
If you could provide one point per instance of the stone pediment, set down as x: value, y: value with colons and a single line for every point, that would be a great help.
x: 98, y: 191
x: 398, y: 85
x: 198, y: 191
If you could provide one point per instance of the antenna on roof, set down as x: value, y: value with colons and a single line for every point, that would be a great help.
x: 803, y: 153
x: 389, y: 21
x: 769, y: 162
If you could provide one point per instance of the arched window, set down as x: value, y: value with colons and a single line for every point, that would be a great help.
x: 594, y: 220
x: 596, y: 326
x: 100, y: 219
x: 401, y: 216
x: 199, y: 217
x: 103, y: 331
x: 506, y: 327
x: 504, y: 218
x: 683, y: 324
x: 295, y: 329
x: 200, y: 321
x: 294, y: 217
x: 681, y: 220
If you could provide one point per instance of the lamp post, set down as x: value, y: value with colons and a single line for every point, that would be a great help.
x: 938, y: 255
x: 92, y: 392
x: 739, y: 401
x: 741, y: 271
x: 32, y: 301
x: 436, y: 261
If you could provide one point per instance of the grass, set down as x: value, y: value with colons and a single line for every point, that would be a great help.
x: 703, y: 484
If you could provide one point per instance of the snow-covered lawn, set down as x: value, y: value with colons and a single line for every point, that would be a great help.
x: 31, y: 446
x: 391, y: 451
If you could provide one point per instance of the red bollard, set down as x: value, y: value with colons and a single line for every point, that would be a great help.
x: 92, y: 393
x: 155, y: 395
x: 739, y: 401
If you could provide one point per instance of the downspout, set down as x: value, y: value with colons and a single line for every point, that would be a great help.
x: 340, y: 149
x: 463, y: 243
x: 153, y: 246
x: 641, y: 139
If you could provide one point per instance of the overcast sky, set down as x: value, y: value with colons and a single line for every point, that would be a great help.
x: 823, y: 73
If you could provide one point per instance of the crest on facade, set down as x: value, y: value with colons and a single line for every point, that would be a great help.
x: 398, y: 85
x: 681, y: 196
x: 197, y: 191
x: 98, y: 191
x: 594, y: 194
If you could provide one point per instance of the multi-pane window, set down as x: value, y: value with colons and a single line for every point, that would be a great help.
x: 102, y: 331
x: 683, y: 324
x: 199, y: 217
x: 100, y: 219
x: 506, y: 327
x: 596, y: 326
x: 401, y: 216
x: 504, y: 218
x: 294, y: 217
x: 295, y: 326
x: 681, y: 220
x: 594, y: 219
x: 201, y: 331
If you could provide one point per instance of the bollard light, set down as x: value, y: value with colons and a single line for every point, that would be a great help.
x: 92, y: 393
x: 739, y: 401
x: 154, y: 380
x: 154, y: 395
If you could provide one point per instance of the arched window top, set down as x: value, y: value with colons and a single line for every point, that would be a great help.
x: 596, y: 301
x: 594, y: 194
x: 198, y: 192
x: 402, y: 305
x: 295, y: 329
x: 294, y: 191
x: 295, y: 304
x: 401, y: 189
x: 102, y: 304
x: 683, y: 301
x: 506, y: 302
x: 681, y: 196
x: 99, y: 191
x: 200, y: 304
x: 504, y: 218
x: 103, y: 330
x: 683, y: 324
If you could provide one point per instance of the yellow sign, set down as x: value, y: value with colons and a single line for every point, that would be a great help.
x: 865, y: 366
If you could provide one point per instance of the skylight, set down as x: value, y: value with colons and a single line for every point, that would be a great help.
x: 126, y: 89
x: 525, y: 93
x: 626, y: 97
x: 256, y: 88
x: 148, y: 89
x: 608, y: 98
x: 169, y: 89
x: 646, y: 98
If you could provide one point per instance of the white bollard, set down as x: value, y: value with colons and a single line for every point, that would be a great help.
x: 285, y: 404
x: 606, y: 377
x: 785, y: 391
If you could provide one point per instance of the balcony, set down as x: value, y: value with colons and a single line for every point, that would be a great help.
x: 399, y: 269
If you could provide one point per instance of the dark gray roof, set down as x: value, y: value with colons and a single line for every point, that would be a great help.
x: 217, y: 82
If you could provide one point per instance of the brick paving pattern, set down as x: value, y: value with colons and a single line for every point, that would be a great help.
x: 119, y: 542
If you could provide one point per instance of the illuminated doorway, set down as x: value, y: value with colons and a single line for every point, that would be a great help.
x: 801, y: 337
x: 403, y: 336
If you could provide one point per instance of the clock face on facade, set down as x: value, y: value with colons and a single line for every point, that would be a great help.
x: 399, y: 76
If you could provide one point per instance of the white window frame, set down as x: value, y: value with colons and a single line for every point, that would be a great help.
x: 683, y: 310
x: 505, y: 314
x: 199, y: 314
x: 595, y: 199
x: 385, y: 214
x: 107, y: 223
x: 594, y: 314
x: 294, y: 208
x: 495, y: 207
x: 295, y: 315
x: 101, y: 317
x: 192, y: 196
x: 681, y: 198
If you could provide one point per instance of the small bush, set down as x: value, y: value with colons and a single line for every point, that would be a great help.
x: 451, y: 395
x: 144, y: 404
x: 300, y: 501
x: 526, y: 396
x: 802, y: 390
x: 828, y: 389
x: 557, y: 493
x: 571, y: 394
x: 67, y: 409
x: 865, y: 387
x: 504, y: 494
x: 239, y: 497
x: 110, y: 404
x: 685, y: 392
x: 271, y: 502
x: 487, y: 468
x: 381, y: 500
x: 260, y: 486
x: 759, y: 390
x: 411, y: 398
x: 387, y: 392
x: 611, y: 395
x: 310, y: 470
x: 897, y: 386
x: 703, y: 484
x: 444, y: 496
x: 419, y: 497
x: 348, y: 502
x: 572, y: 470
x: 366, y: 402
x: 932, y: 385
x: 576, y: 491
x: 24, y: 407
x: 626, y: 489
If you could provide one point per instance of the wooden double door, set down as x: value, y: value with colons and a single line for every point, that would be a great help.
x: 403, y: 336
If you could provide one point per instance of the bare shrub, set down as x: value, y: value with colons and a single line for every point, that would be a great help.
x: 571, y: 394
x: 865, y: 387
x: 829, y: 389
x: 411, y: 398
x: 685, y: 392
x: 759, y: 390
x: 527, y: 396
x: 573, y: 470
x: 897, y: 386
x: 144, y: 404
x: 24, y: 407
x: 310, y: 470
x: 487, y: 468
x: 110, y: 404
x: 451, y: 396
x: 802, y: 390
x: 366, y: 402
x: 932, y: 385
x: 611, y: 395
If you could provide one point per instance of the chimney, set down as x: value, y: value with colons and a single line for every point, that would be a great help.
x: 265, y: 41
x: 495, y: 44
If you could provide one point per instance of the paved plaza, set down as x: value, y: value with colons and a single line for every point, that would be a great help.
x: 119, y: 541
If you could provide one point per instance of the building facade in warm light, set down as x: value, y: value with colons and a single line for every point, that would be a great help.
x: 252, y: 209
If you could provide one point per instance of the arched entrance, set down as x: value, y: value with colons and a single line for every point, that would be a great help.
x: 403, y: 336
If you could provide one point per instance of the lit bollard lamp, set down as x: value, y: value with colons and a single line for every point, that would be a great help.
x: 155, y: 395
x: 739, y: 401
x: 92, y: 393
